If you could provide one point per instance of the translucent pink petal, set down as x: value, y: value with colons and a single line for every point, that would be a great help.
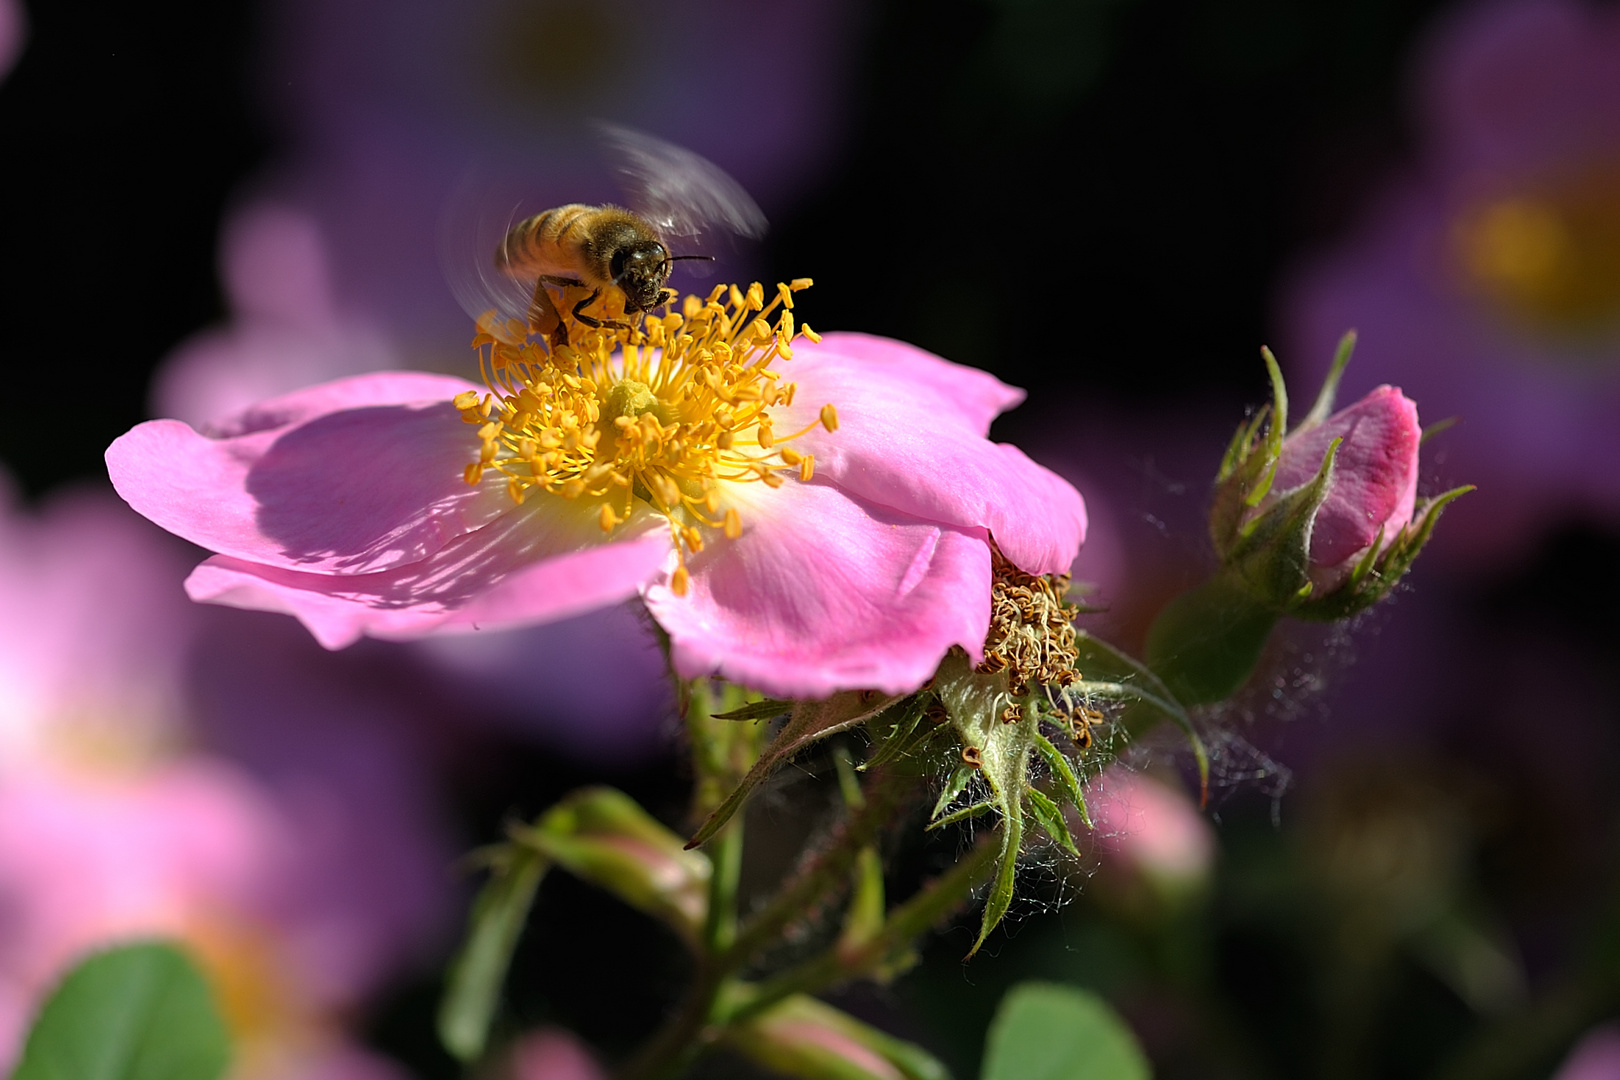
x: 543, y: 561
x: 823, y: 592
x: 910, y: 437
x: 351, y: 477
x: 927, y: 383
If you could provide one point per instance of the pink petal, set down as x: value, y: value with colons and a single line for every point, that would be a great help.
x: 924, y: 381
x: 824, y: 592
x: 351, y: 477
x: 1374, y: 474
x: 905, y: 443
x: 536, y: 563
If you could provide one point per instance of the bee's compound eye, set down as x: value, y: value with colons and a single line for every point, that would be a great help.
x: 618, y: 263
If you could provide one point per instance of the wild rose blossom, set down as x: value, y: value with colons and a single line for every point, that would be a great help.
x: 804, y: 537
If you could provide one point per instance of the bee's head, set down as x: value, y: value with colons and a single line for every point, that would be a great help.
x: 641, y: 270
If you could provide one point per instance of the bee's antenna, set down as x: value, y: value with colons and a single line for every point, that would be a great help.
x: 678, y: 258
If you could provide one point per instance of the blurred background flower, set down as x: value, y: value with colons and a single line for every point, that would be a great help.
x: 1485, y: 278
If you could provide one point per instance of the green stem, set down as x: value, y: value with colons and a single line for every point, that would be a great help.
x: 936, y: 900
x: 725, y: 855
x: 694, y: 1027
x: 827, y: 872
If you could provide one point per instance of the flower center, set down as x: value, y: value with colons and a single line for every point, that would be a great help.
x: 1548, y: 254
x: 666, y: 414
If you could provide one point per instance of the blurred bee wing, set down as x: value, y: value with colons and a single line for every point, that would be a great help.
x: 475, y: 222
x: 680, y: 192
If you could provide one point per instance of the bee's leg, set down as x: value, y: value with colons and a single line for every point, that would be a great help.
x: 544, y: 318
x: 596, y: 324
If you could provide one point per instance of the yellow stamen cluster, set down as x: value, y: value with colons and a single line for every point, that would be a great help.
x: 665, y: 413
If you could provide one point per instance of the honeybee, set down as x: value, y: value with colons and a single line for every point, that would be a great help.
x: 622, y: 255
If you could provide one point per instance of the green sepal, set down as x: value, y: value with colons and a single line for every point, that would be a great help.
x: 766, y: 709
x: 137, y: 1012
x: 1043, y: 1031
x: 1379, y: 571
x: 1063, y: 776
x: 972, y: 810
x: 975, y: 703
x: 473, y: 984
x: 809, y: 722
x: 1323, y: 407
x: 1272, y: 551
x: 864, y: 918
x: 809, y: 1039
x: 898, y: 730
x: 954, y: 786
x: 1117, y: 676
x: 1049, y: 816
x: 602, y: 836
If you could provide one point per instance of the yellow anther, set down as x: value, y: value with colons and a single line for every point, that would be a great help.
x: 790, y: 456
x: 829, y: 417
x: 515, y: 490
x: 785, y: 333
x: 490, y: 430
x: 807, y: 468
x: 799, y: 283
x: 738, y: 300
x: 711, y: 501
x: 767, y: 438
x: 756, y: 296
x: 693, y: 538
x: 680, y: 581
x: 607, y: 518
x: 573, y: 489
x: 784, y: 294
x: 733, y: 524
x: 770, y: 480
x: 473, y: 473
x: 724, y: 440
x: 467, y: 399
x: 809, y: 333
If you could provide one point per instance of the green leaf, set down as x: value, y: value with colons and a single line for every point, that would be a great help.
x: 811, y: 721
x: 1050, y: 818
x: 140, y: 1012
x: 601, y: 835
x: 473, y: 987
x: 1068, y: 784
x: 1048, y: 1032
x: 811, y: 1040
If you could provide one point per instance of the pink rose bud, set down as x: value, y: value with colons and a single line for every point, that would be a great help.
x: 1372, y: 494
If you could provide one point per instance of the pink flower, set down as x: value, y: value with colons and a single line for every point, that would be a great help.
x: 774, y: 550
x: 1151, y: 827
x: 1373, y: 493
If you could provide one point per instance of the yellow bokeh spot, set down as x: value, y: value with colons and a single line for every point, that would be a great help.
x: 1548, y: 254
